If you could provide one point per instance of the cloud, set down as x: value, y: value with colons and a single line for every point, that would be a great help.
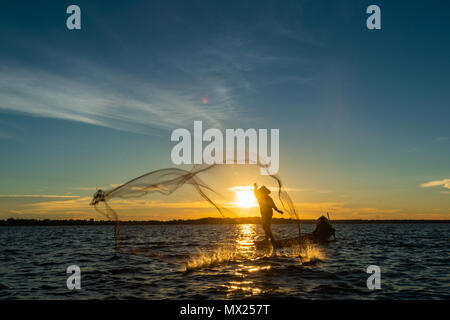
x: 140, y: 209
x: 146, y: 209
x: 275, y: 189
x: 168, y: 97
x: 441, y: 139
x: 110, y: 99
x: 35, y: 196
x: 436, y: 183
x: 340, y: 208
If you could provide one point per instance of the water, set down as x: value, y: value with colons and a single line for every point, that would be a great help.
x: 223, y: 263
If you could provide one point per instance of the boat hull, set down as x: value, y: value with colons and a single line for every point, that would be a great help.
x: 289, y: 242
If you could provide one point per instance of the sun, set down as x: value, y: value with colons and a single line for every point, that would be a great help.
x: 245, y: 197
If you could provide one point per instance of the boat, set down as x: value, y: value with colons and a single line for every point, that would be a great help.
x: 294, y: 241
x: 322, y: 234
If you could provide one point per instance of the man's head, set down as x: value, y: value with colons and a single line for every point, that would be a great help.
x: 264, y: 190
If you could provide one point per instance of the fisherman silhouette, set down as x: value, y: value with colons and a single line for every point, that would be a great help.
x: 323, y: 230
x: 266, y: 205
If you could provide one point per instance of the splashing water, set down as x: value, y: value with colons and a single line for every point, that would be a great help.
x: 219, y: 256
x: 207, y: 181
x: 307, y: 254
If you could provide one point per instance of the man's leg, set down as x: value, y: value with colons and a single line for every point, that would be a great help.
x: 268, y: 231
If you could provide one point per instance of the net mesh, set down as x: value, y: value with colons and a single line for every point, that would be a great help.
x: 212, y: 184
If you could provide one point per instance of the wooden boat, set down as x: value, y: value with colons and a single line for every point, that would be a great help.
x: 295, y: 241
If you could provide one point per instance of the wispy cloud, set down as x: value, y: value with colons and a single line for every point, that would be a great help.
x: 275, y: 189
x: 88, y: 92
x: 137, y: 208
x: 340, y: 209
x: 441, y: 139
x: 436, y: 183
x: 110, y: 99
x: 35, y: 196
x: 154, y: 209
x: 86, y: 188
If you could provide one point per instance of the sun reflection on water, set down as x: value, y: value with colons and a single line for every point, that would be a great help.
x: 240, y: 259
x: 245, y: 238
x: 245, y: 287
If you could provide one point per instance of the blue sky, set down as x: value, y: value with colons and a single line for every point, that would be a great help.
x: 363, y: 115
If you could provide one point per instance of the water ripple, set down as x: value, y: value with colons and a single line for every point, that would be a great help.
x: 221, y: 262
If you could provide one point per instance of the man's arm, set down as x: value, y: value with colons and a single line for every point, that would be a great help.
x: 275, y: 207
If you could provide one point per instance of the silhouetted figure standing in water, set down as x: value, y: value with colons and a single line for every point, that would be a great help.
x: 266, y: 205
x: 323, y: 230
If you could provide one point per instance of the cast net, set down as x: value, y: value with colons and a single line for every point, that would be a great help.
x: 217, y: 190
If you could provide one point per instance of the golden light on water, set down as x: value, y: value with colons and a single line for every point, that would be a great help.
x: 246, y: 287
x: 245, y: 237
x: 255, y: 269
x: 246, y: 261
x: 246, y: 234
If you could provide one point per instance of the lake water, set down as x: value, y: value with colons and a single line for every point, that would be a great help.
x: 221, y: 262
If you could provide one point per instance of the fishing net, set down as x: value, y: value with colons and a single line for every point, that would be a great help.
x: 213, y: 185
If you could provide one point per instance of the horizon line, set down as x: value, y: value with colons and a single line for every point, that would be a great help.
x: 206, y: 220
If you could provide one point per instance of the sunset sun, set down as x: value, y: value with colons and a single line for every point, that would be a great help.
x: 244, y: 197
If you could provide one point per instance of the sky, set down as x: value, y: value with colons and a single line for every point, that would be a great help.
x: 363, y: 115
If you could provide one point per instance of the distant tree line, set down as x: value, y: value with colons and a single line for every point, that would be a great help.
x: 243, y: 220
